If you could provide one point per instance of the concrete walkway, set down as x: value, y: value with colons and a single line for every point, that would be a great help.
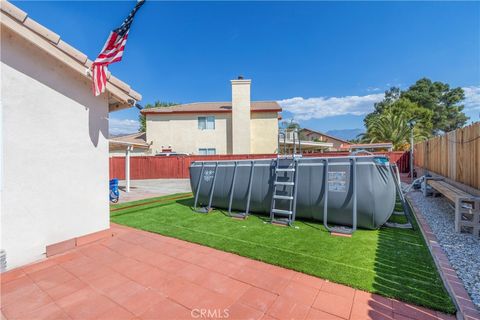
x: 141, y: 275
x: 142, y: 189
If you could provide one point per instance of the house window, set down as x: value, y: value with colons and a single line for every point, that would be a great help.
x: 206, y: 123
x: 207, y: 151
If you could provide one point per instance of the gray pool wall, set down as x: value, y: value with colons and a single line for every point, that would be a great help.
x: 376, y: 192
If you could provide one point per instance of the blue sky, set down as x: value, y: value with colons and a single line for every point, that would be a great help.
x: 326, y: 62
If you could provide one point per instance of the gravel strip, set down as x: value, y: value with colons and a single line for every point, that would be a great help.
x: 463, y: 250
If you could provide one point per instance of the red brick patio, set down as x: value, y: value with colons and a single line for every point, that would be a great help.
x: 140, y: 275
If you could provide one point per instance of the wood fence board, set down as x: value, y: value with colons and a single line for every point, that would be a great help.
x: 455, y: 155
x: 152, y: 167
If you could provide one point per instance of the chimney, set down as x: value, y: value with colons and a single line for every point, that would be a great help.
x: 241, y: 116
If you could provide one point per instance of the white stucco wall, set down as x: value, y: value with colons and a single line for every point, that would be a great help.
x: 181, y: 132
x: 55, y: 153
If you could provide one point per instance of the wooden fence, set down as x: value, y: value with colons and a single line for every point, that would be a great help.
x: 151, y: 167
x: 455, y: 155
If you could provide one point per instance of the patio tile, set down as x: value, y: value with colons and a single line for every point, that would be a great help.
x: 213, y: 300
x: 284, y: 308
x: 157, y: 260
x: 282, y: 272
x: 83, y: 305
x: 308, y: 280
x: 315, y: 314
x: 333, y: 304
x: 12, y: 275
x: 371, y: 306
x: 261, y: 279
x: 153, y: 278
x: 28, y: 301
x: 51, y: 277
x: 258, y: 298
x: 139, y: 274
x: 116, y: 313
x: 49, y: 311
x: 167, y: 309
x: 141, y: 301
x: 105, y: 282
x: 414, y: 312
x: 80, y: 266
x: 366, y: 311
x: 191, y: 272
x: 174, y: 265
x: 96, y: 272
x: 14, y: 290
x: 223, y: 284
x: 224, y: 267
x: 300, y: 293
x: 239, y: 311
x: 189, y: 295
x: 338, y: 289
x: 66, y: 289
x: 39, y: 265
x: 124, y: 265
x: 123, y: 291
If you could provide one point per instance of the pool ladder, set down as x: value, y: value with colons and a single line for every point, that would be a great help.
x: 284, y: 197
x: 284, y: 192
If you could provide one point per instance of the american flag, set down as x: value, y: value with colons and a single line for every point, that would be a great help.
x: 112, y: 51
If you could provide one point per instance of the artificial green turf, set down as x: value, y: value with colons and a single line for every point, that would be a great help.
x: 392, y: 262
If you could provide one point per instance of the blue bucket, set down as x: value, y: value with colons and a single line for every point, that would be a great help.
x: 114, y: 194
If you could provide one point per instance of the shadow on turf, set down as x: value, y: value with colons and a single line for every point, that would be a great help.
x: 408, y: 271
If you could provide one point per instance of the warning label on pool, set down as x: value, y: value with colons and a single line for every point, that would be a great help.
x: 337, y: 181
x: 208, y: 175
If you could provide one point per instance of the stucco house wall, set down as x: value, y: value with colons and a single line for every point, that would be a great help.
x: 182, y: 133
x: 264, y: 132
x: 311, y: 135
x: 55, y: 152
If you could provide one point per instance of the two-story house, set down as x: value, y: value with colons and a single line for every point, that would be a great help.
x: 240, y: 126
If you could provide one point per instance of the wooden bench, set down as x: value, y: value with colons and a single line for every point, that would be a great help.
x: 467, y: 206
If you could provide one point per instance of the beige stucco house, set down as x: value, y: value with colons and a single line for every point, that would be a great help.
x: 240, y: 126
x: 54, y: 142
x: 337, y: 144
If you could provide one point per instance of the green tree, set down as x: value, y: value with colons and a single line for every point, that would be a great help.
x: 392, y: 124
x: 391, y: 95
x: 157, y: 104
x: 442, y: 100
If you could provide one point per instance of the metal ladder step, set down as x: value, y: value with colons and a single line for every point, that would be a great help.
x: 284, y: 183
x: 279, y: 211
x: 285, y: 169
x: 277, y: 196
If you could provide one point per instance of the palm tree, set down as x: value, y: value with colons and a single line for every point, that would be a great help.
x: 392, y: 127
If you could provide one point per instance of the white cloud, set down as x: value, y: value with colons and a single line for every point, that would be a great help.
x: 121, y: 126
x: 472, y: 98
x: 323, y: 107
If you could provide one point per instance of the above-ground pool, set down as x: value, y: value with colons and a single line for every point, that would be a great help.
x: 364, y: 182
